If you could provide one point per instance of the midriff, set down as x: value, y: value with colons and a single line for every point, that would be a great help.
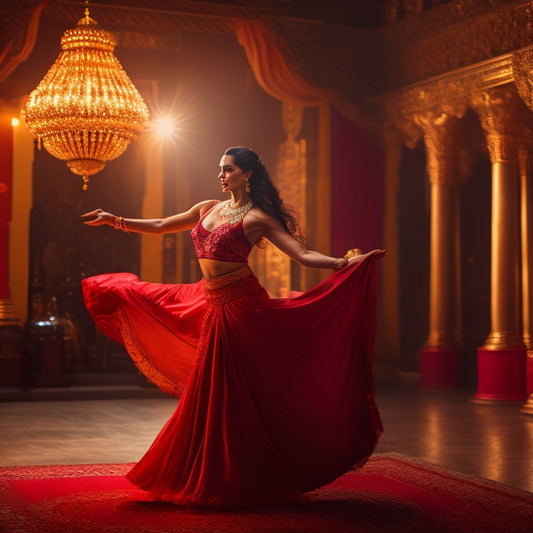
x: 212, y: 267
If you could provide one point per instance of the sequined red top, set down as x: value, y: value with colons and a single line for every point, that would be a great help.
x: 227, y: 242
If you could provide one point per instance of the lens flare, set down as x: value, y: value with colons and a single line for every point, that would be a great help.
x: 164, y: 127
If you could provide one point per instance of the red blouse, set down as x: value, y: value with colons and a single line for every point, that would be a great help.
x: 227, y: 242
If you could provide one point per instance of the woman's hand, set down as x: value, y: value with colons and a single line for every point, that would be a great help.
x: 379, y: 253
x: 97, y: 218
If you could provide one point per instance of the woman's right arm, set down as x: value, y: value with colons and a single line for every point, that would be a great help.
x: 179, y: 222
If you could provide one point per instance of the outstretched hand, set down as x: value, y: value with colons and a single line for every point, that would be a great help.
x: 379, y: 253
x: 98, y: 217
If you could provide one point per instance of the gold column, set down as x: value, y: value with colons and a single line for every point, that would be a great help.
x: 502, y: 359
x: 505, y: 289
x: 19, y: 229
x: 152, y: 150
x: 439, y: 358
x: 152, y: 206
x: 526, y: 224
x: 277, y: 273
x: 291, y: 176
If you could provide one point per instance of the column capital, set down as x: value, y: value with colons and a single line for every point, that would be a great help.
x: 440, y: 137
x: 498, y: 111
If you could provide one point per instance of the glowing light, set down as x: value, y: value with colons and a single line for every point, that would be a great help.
x: 164, y: 127
x: 15, y: 122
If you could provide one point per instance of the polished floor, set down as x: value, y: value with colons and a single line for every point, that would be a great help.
x: 442, y: 427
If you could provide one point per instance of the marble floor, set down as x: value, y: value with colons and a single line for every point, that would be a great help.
x: 442, y: 427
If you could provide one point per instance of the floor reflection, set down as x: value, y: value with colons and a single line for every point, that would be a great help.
x: 446, y: 428
x: 442, y: 427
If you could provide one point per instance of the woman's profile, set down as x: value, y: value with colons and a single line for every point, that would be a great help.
x: 276, y: 394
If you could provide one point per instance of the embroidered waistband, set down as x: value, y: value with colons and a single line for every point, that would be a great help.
x: 229, y: 287
x: 226, y: 279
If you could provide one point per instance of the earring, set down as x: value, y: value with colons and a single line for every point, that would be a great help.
x: 247, y: 187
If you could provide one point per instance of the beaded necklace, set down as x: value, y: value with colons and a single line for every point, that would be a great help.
x: 233, y: 213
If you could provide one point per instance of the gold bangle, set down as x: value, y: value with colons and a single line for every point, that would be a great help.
x: 123, y: 226
x: 120, y: 223
x: 340, y: 262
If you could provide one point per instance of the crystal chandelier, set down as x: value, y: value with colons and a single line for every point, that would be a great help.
x: 85, y: 110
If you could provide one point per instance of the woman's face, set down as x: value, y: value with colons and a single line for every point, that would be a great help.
x: 232, y: 178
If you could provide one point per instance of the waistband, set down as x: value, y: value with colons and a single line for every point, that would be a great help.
x: 228, y: 287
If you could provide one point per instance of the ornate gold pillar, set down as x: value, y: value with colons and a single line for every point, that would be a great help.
x: 292, y: 179
x: 526, y: 224
x: 275, y: 270
x: 439, y: 358
x: 502, y: 359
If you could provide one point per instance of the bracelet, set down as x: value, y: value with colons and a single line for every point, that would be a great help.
x: 340, y: 262
x: 120, y: 223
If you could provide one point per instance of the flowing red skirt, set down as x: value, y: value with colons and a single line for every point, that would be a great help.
x: 277, y: 395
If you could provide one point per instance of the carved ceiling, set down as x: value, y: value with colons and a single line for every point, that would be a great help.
x: 361, y: 49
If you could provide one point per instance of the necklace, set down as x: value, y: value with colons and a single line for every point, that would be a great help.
x: 233, y: 213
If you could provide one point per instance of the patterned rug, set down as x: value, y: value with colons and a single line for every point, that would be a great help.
x: 392, y: 493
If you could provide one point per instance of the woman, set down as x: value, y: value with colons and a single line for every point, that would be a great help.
x: 276, y: 395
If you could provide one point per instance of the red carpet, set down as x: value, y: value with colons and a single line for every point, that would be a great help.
x: 391, y: 493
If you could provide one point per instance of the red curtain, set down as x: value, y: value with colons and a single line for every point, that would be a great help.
x: 356, y: 188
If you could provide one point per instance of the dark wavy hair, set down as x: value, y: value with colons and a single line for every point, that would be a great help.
x: 263, y: 192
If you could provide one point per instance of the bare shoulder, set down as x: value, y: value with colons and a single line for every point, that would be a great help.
x: 204, y: 206
x: 256, y: 218
x: 258, y: 224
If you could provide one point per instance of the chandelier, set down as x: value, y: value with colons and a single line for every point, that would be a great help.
x: 85, y: 110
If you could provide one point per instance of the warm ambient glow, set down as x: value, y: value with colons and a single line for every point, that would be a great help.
x: 86, y: 110
x: 15, y: 122
x: 164, y: 127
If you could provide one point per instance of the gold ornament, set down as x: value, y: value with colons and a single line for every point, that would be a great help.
x: 85, y: 110
x: 233, y: 213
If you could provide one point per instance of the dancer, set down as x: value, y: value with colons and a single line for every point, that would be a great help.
x: 276, y: 394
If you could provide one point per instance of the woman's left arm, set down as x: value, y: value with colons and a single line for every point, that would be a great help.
x: 280, y: 238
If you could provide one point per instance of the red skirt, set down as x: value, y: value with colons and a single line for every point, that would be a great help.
x: 276, y: 395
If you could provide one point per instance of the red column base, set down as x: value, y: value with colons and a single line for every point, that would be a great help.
x: 529, y: 368
x: 501, y: 374
x: 439, y: 367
